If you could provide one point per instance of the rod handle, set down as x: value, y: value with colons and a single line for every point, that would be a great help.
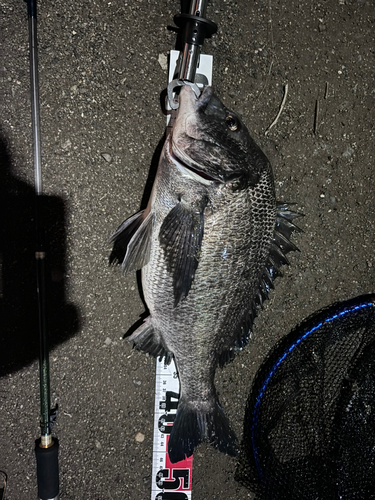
x: 47, y: 466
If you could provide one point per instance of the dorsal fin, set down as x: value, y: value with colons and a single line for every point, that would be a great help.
x: 279, y: 247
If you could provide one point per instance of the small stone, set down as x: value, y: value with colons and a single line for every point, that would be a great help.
x: 108, y: 341
x: 139, y: 437
x: 67, y: 144
x: 348, y: 152
x: 163, y: 61
x: 98, y: 445
x: 137, y: 382
x: 107, y: 157
x: 147, y: 481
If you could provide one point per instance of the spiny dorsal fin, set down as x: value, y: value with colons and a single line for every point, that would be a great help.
x: 279, y: 247
x: 283, y: 210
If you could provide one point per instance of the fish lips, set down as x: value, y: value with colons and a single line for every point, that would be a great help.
x: 188, y: 101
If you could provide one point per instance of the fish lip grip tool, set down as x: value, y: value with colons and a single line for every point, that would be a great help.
x: 194, y: 28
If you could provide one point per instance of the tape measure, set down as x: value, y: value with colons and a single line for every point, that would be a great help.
x: 171, y: 481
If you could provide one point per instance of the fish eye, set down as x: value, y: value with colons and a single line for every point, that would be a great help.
x: 231, y: 123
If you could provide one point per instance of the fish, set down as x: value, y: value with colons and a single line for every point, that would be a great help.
x: 209, y: 244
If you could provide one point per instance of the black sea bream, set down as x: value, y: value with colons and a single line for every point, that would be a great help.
x: 209, y: 243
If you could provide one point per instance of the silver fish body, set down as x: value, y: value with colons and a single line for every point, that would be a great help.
x: 209, y: 243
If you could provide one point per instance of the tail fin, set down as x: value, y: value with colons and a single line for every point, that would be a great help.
x: 195, y: 424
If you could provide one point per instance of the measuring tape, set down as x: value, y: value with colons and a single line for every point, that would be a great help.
x: 171, y: 481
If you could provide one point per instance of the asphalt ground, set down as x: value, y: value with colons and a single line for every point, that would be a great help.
x: 100, y: 84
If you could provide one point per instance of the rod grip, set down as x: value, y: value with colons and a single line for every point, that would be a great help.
x: 47, y: 466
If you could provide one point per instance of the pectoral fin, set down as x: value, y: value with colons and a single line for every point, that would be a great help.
x: 181, y: 237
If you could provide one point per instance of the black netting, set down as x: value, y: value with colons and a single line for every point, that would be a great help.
x: 309, y: 428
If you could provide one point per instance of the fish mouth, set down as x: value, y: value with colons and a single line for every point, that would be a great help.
x: 184, y: 164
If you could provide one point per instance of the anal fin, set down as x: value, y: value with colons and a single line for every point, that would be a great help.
x: 145, y: 339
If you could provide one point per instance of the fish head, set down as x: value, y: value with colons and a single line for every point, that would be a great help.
x: 212, y: 141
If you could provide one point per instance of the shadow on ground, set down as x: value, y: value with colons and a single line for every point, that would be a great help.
x: 18, y: 304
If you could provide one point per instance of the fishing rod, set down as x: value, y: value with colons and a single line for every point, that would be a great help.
x: 46, y: 448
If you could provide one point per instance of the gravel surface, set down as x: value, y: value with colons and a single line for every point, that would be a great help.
x: 102, y: 69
